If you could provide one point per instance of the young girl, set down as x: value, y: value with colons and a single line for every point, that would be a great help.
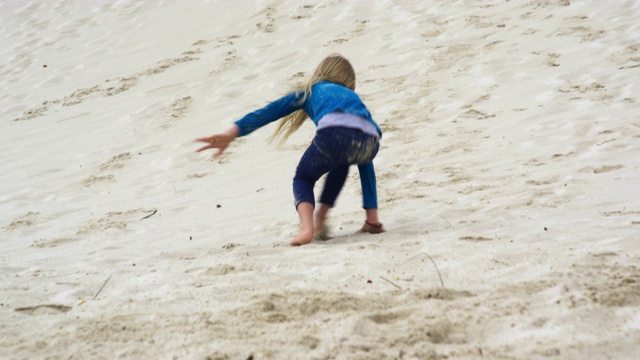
x: 346, y: 135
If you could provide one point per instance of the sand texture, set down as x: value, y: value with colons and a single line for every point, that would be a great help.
x: 508, y: 182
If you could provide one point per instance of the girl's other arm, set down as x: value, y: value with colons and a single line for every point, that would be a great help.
x: 368, y: 183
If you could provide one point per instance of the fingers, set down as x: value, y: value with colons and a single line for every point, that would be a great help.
x: 218, y: 141
x: 220, y: 151
x: 206, y: 147
x: 212, y: 141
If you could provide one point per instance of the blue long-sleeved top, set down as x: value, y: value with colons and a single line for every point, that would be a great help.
x: 326, y: 97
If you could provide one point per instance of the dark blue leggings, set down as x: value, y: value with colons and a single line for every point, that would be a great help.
x: 332, y: 151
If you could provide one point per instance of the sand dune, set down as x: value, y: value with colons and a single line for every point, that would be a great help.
x: 507, y: 182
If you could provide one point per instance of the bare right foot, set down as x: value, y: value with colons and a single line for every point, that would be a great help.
x: 305, y: 212
x: 303, y: 238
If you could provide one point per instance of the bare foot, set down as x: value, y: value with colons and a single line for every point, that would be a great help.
x: 303, y: 238
x: 322, y: 233
x: 320, y: 217
x: 321, y: 230
x: 372, y: 228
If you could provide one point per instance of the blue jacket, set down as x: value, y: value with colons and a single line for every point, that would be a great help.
x: 326, y: 97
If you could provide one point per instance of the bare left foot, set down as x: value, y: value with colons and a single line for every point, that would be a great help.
x: 372, y: 228
x: 303, y: 238
x: 322, y: 233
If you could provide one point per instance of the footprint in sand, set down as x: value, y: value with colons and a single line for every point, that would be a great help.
x: 585, y: 33
x: 103, y: 174
x: 35, y: 112
x: 23, y: 221
x: 446, y: 57
x: 304, y: 12
x: 548, y: 181
x: 116, y: 162
x: 267, y: 20
x: 552, y: 59
x: 297, y: 79
x: 164, y: 65
x: 202, y: 277
x: 359, y: 28
x: 479, y: 22
x: 475, y: 114
x: 51, y: 243
x: 601, y: 170
x: 605, y: 283
x: 120, y: 85
x: 629, y: 58
x: 115, y: 220
x: 77, y: 96
x: 475, y: 238
x: 228, y: 63
x: 110, y: 87
x: 435, y: 330
x: 335, y: 42
x: 175, y: 111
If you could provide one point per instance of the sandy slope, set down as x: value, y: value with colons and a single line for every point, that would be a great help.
x: 510, y: 161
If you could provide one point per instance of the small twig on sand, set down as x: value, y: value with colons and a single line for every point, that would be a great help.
x: 102, y: 287
x: 434, y: 265
x: 390, y: 282
x: 150, y: 215
x: 447, y: 222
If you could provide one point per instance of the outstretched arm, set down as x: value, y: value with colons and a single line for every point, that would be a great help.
x: 250, y: 122
x: 219, y: 141
x: 271, y: 112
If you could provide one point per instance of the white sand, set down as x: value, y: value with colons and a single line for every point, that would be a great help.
x: 510, y: 158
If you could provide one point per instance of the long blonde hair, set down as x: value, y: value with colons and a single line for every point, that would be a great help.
x: 334, y: 68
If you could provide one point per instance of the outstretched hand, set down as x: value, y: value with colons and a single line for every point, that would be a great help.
x: 219, y: 141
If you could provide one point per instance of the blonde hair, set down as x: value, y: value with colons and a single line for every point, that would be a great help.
x: 334, y: 68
